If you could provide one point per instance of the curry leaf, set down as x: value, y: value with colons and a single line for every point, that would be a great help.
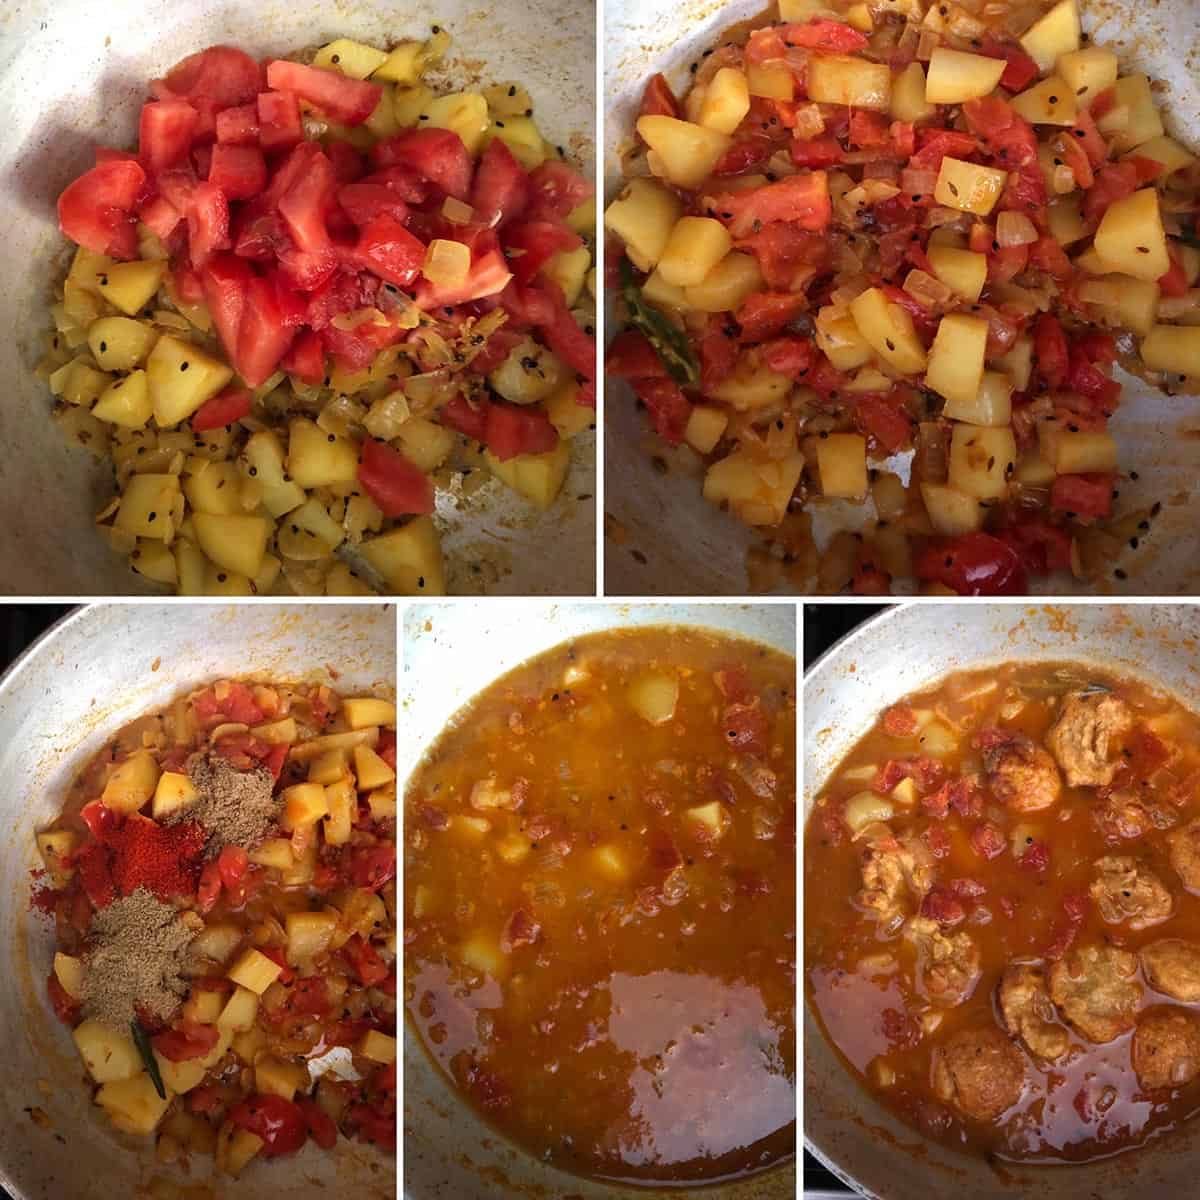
x: 670, y: 343
x: 142, y: 1042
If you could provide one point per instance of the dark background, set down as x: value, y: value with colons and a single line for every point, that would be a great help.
x: 823, y: 625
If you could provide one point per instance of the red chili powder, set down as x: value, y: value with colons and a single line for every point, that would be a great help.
x: 43, y: 897
x: 165, y: 860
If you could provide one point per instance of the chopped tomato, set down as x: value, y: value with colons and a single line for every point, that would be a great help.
x: 280, y: 1124
x: 209, y: 888
x: 306, y: 358
x: 161, y: 217
x: 500, y: 191
x: 436, y: 155
x: 347, y: 101
x: 190, y: 1040
x: 764, y: 314
x: 1175, y: 281
x: 305, y: 204
x: 223, y: 409
x: 816, y: 152
x: 668, y: 407
x: 165, y: 132
x: 792, y: 356
x: 390, y: 251
x: 556, y: 191
x: 718, y: 352
x: 1042, y: 547
x: 868, y: 129
x: 786, y: 251
x: 365, y: 962
x: 1048, y: 256
x: 239, y: 171
x: 631, y: 356
x: 885, y: 420
x: 370, y: 867
x: 470, y: 420
x: 225, y: 280
x: 658, y: 99
x: 802, y: 200
x: 833, y: 37
x: 66, y: 1007
x: 511, y: 431
x: 221, y: 75
x: 1113, y: 182
x: 321, y: 1127
x: 535, y: 242
x: 1087, y: 137
x: 96, y: 210
x: 208, y: 223
x: 232, y: 863
x: 279, y: 124
x: 393, y: 482
x: 1020, y: 70
x: 263, y: 335
x: 1051, y: 354
x: 236, y: 704
x: 744, y: 154
x: 1086, y: 496
x: 972, y: 564
x: 935, y: 144
x: 238, y: 126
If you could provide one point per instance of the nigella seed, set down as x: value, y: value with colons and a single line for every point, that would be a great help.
x: 183, y: 366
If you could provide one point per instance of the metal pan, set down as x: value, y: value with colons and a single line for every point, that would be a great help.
x: 706, y: 551
x: 896, y: 652
x: 451, y: 653
x: 73, y: 75
x: 95, y: 670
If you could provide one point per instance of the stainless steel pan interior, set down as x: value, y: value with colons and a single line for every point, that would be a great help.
x: 451, y: 653
x: 73, y: 76
x: 902, y: 649
x: 706, y: 551
x: 94, y: 671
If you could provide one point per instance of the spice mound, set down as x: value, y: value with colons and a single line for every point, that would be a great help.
x: 235, y: 807
x: 139, y: 853
x: 137, y: 948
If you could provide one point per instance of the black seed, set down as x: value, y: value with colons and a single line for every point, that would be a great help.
x: 152, y: 517
x: 183, y: 366
x: 420, y: 581
x: 1120, y: 574
x: 499, y: 124
x: 222, y: 577
x: 1133, y: 475
x: 253, y: 470
x: 512, y: 91
x: 337, y: 58
x: 332, y: 438
x: 103, y: 347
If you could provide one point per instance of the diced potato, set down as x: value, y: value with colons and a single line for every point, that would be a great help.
x: 569, y: 268
x: 991, y: 404
x: 654, y: 696
x: 262, y: 459
x: 133, y: 1105
x: 1083, y: 452
x: 308, y: 934
x: 751, y: 385
x: 968, y: 187
x: 408, y: 558
x: 771, y: 81
x: 172, y: 792
x: 126, y: 402
x: 408, y: 103
x: 240, y: 1011
x: 963, y: 271
x: 469, y: 828
x: 889, y: 331
x: 537, y: 477
x: 695, y: 246
x: 838, y: 338
x: 1132, y: 93
x: 318, y: 459
x: 686, y: 153
x: 529, y: 373
x: 566, y: 414
x: 1131, y: 304
x: 1053, y: 35
x: 248, y: 1044
x: 446, y: 262
x: 180, y: 1077
x: 109, y: 1054
x: 254, y: 971
x: 403, y: 65
x: 482, y: 952
x: 866, y: 808
x: 274, y: 852
x: 1173, y: 348
x: 217, y: 941
x: 355, y: 60
x: 954, y: 76
x: 842, y: 79
x: 119, y: 344
x: 657, y: 291
x: 303, y: 804
x: 1088, y: 72
x: 343, y: 805
x: 327, y: 767
x: 981, y: 461
x: 610, y: 862
x: 203, y: 1006
x: 382, y: 802
x: 708, y: 822
x: 465, y: 113
x: 1033, y: 470
x: 69, y: 973
x: 1050, y: 102
x: 705, y: 427
x: 1065, y: 217
x: 513, y: 848
x: 756, y: 491
x: 842, y: 464
x: 233, y: 543
x: 77, y: 382
x: 889, y: 495
x: 522, y: 136
x: 950, y: 511
x: 726, y: 101
x: 214, y: 487
x: 56, y: 846
x: 182, y: 377
x: 130, y: 285
x: 724, y: 288
x: 147, y: 504
x: 905, y: 792
x: 378, y: 1047
x: 236, y: 1148
x: 278, y: 1078
x: 1131, y: 236
x: 908, y: 95
x: 1165, y: 150
x: 643, y: 216
x: 955, y: 368
x: 132, y: 783
x: 370, y: 771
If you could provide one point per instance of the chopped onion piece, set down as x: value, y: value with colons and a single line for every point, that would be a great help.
x: 1015, y: 229
x: 447, y: 263
x: 456, y: 212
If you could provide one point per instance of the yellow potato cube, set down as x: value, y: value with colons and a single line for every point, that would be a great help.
x: 566, y: 414
x: 981, y: 461
x: 481, y: 951
x: 409, y: 558
x: 968, y: 187
x: 1132, y: 93
x: 888, y: 329
x: 724, y: 288
x: 236, y: 1148
x: 146, y: 506
x: 838, y: 338
x: 1084, y: 452
x: 108, y: 1054
x: 771, y: 81
x: 278, y: 1078
x: 756, y: 491
x: 1173, y: 348
x: 513, y: 848
x: 120, y: 344
x: 203, y: 1006
x: 370, y: 771
x: 751, y: 385
x: 1088, y: 72
x: 537, y: 477
x: 69, y: 973
x: 842, y: 79
x: 327, y: 767
x: 726, y: 101
x: 705, y: 427
x: 126, y: 402
x: 1053, y: 35
x: 908, y: 101
x: 709, y: 822
x: 319, y: 459
x: 248, y: 1044
x: 275, y: 853
x: 610, y: 862
x: 642, y: 216
x: 355, y: 60
x: 954, y: 76
x: 684, y: 153
x: 343, y: 804
x: 308, y: 934
x: 254, y: 971
x: 695, y: 246
x: 569, y: 268
x: 1065, y: 217
x: 217, y: 941
x: 378, y: 1047
x: 172, y: 792
x: 963, y: 271
x: 465, y: 113
x: 955, y: 367
x: 1131, y: 236
x: 1050, y: 102
x: 240, y: 1010
x: 951, y: 512
x: 842, y: 464
x: 382, y: 802
x: 181, y: 378
x: 129, y: 285
x: 362, y: 712
x: 233, y: 543
x: 1165, y: 150
x: 303, y: 804
x: 991, y: 404
x: 132, y: 783
x: 132, y: 1105
x: 180, y: 1077
x: 56, y: 846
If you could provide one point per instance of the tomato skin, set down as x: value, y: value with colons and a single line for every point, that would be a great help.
x: 161, y: 217
x: 224, y: 409
x: 209, y: 888
x: 1042, y: 547
x: 306, y: 203
x: 658, y: 100
x: 232, y: 863
x: 208, y: 223
x: 305, y: 358
x: 765, y: 314
x: 802, y: 200
x: 743, y: 155
x: 538, y: 242
x: 96, y: 210
x: 186, y: 1042
x: 1020, y: 70
x: 263, y: 336
x: 668, y: 407
x: 371, y: 867
x: 1051, y: 351
x: 469, y: 420
x: 1085, y: 496
x: 280, y: 1123
x: 1113, y: 182
x: 511, y: 431
x: 239, y: 171
x: 868, y: 129
x: 165, y: 132
x: 501, y: 190
x: 631, y: 356
x: 556, y: 191
x: 347, y: 101
x: 222, y: 75
x: 365, y: 961
x: 816, y: 152
x: 718, y: 351
x: 885, y: 420
x: 279, y: 124
x: 393, y: 482
x: 818, y: 34
x: 363, y: 201
x: 321, y: 1128
x: 973, y: 564
x: 1174, y: 282
x: 238, y: 126
x: 436, y: 155
x: 936, y: 144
